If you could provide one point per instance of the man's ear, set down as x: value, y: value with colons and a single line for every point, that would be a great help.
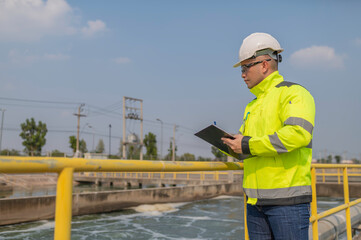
x: 265, y: 66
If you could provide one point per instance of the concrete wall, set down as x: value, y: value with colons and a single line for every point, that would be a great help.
x: 36, y: 208
x: 336, y: 190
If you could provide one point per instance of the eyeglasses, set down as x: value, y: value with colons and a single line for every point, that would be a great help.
x: 245, y: 67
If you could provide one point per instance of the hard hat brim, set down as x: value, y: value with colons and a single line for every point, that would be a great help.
x: 237, y: 64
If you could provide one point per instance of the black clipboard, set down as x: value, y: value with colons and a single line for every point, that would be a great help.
x: 213, y: 134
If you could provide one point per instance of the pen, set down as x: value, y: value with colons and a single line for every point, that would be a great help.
x: 246, y: 116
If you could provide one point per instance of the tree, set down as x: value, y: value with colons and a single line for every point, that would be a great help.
x: 8, y: 152
x: 187, y: 157
x: 121, y: 149
x: 133, y: 152
x: 170, y: 151
x: 203, y: 159
x: 82, y: 144
x: 150, y: 142
x: 338, y: 158
x: 329, y: 159
x: 218, y: 154
x: 100, y: 146
x: 34, y: 136
x: 57, y: 153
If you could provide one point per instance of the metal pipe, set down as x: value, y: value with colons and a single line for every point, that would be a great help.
x: 347, y: 201
x: 331, y: 227
x: 63, y: 208
x: 54, y: 164
x: 314, y: 203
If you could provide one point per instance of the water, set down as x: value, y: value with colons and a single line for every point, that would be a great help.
x: 34, y: 191
x: 217, y: 218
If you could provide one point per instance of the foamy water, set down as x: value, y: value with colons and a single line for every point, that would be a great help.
x: 217, y: 218
x: 158, y: 209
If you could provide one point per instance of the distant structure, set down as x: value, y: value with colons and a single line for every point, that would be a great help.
x: 95, y: 156
x: 347, y: 161
x: 132, y: 111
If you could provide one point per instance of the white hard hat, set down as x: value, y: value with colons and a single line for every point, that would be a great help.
x: 254, y: 43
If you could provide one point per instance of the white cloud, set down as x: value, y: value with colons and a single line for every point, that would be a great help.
x: 122, y: 60
x: 93, y: 28
x: 32, y: 19
x: 17, y: 57
x: 317, y: 56
x: 29, y: 20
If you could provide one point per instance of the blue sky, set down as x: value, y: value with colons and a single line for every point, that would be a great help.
x: 177, y: 56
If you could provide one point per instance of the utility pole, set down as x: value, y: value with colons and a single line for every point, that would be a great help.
x: 131, y: 112
x: 93, y: 143
x: 2, y: 124
x: 80, y: 109
x: 161, y: 139
x: 110, y: 136
x: 124, y: 139
x: 173, y: 145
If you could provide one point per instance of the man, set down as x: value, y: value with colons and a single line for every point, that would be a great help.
x: 277, y: 134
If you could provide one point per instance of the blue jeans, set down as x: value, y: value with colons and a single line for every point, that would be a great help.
x: 278, y: 222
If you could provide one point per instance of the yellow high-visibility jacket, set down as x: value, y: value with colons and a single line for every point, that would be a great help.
x: 278, y: 127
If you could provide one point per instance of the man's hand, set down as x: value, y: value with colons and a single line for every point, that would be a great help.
x: 235, y: 144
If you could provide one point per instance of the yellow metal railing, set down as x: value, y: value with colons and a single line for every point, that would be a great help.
x: 215, y: 175
x: 352, y: 172
x: 346, y: 206
x: 65, y: 167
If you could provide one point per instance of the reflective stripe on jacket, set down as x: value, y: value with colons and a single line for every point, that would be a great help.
x: 278, y: 127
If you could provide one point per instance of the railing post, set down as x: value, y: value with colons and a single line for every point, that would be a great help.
x: 338, y: 176
x: 63, y: 207
x: 314, y: 204
x: 246, y: 237
x: 347, y: 201
x: 323, y: 175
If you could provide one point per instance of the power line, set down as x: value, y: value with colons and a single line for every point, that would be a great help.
x: 38, y: 101
x: 64, y: 131
x: 19, y: 105
x: 110, y: 109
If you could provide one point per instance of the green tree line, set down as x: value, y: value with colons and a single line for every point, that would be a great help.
x: 33, y: 135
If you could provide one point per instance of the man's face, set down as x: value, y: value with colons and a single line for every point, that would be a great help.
x: 252, y: 74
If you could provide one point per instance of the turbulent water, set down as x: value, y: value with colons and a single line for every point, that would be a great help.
x: 220, y: 218
x: 217, y: 218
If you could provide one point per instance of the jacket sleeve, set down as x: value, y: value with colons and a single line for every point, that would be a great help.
x: 297, y: 115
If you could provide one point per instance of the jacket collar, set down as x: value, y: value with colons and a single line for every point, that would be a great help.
x: 270, y: 81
